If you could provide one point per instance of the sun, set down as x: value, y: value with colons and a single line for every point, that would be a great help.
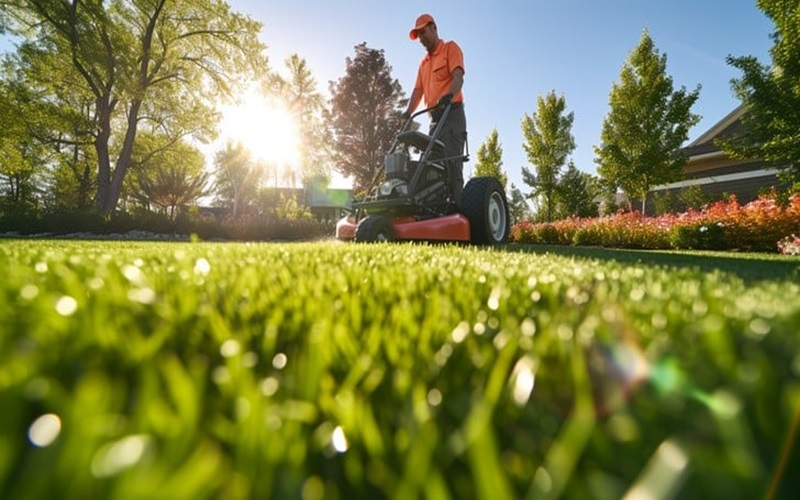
x: 266, y: 128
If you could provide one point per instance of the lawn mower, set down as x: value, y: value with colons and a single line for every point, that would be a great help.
x: 414, y: 199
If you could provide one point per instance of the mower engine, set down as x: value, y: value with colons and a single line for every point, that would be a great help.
x: 396, y: 166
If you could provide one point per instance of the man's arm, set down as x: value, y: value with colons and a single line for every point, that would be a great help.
x: 413, y: 101
x: 458, y: 81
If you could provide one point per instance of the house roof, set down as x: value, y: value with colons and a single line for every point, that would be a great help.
x: 729, y: 126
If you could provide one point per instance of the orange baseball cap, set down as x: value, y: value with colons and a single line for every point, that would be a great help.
x: 422, y: 21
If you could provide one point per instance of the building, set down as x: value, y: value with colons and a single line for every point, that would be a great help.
x: 719, y: 175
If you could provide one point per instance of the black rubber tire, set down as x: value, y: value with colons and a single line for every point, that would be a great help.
x: 483, y: 202
x: 374, y: 229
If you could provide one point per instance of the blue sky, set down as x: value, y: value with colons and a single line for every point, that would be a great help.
x: 516, y: 51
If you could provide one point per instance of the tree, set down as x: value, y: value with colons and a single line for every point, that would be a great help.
x: 646, y: 125
x: 21, y: 155
x: 365, y: 107
x: 548, y: 143
x: 298, y: 91
x: 576, y: 194
x: 141, y: 60
x: 518, y: 208
x: 171, y: 177
x: 237, y: 177
x: 490, y: 159
x: 771, y: 95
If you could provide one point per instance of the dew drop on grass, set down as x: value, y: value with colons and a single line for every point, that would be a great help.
x: 460, y: 332
x: 760, y: 327
x: 66, y: 306
x: 269, y: 386
x: 523, y: 380
x: 119, y: 455
x: 279, y: 361
x: 434, y: 397
x: 230, y: 348
x: 528, y: 327
x: 29, y: 292
x: 44, y: 430
x: 339, y: 440
x: 494, y: 299
x: 142, y: 295
x: 40, y: 267
x: 202, y: 266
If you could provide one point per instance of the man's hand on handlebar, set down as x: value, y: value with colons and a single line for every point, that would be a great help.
x: 444, y: 100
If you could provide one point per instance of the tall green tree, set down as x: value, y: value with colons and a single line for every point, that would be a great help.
x: 365, y: 107
x: 646, y: 125
x: 772, y: 95
x: 21, y: 155
x: 577, y: 193
x: 238, y: 177
x: 518, y: 208
x: 548, y: 141
x: 298, y: 92
x: 141, y: 60
x: 490, y: 159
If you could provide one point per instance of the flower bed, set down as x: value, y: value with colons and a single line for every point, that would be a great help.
x: 763, y: 225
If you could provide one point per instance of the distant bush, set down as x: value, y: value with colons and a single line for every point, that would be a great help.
x: 241, y: 229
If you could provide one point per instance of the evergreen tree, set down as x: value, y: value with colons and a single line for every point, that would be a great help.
x: 548, y: 143
x: 237, y: 177
x: 490, y: 159
x: 298, y: 91
x: 518, y: 208
x: 772, y: 95
x: 577, y: 194
x: 365, y: 110
x: 646, y: 125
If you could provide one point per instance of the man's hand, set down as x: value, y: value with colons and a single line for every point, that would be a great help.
x: 405, y: 115
x: 444, y: 100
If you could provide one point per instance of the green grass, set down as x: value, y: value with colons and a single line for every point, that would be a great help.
x: 327, y: 370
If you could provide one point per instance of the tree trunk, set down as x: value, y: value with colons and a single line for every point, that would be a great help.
x: 104, y: 108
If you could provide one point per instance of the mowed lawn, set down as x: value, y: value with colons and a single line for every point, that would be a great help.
x: 333, y: 370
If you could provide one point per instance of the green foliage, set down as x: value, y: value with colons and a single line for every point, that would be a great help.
x: 365, y: 106
x: 117, y: 65
x: 548, y: 141
x: 577, y: 194
x: 646, y: 125
x: 771, y: 94
x: 168, y: 175
x: 518, y: 207
x: 490, y: 159
x: 199, y: 370
x: 237, y: 177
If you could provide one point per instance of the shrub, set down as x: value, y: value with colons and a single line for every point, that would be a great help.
x: 723, y: 225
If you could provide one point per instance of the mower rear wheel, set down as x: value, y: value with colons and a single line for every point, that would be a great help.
x: 484, y: 203
x: 375, y: 228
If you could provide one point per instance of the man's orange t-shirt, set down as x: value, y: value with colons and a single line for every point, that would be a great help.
x: 436, y: 70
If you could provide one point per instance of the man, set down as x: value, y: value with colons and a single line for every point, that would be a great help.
x: 439, y: 80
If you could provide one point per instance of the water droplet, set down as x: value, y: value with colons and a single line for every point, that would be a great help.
x: 29, y: 292
x: 44, y: 430
x: 66, y: 306
x: 119, y: 455
x: 434, y: 397
x: 230, y: 348
x: 279, y: 361
x: 202, y: 266
x: 339, y: 440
